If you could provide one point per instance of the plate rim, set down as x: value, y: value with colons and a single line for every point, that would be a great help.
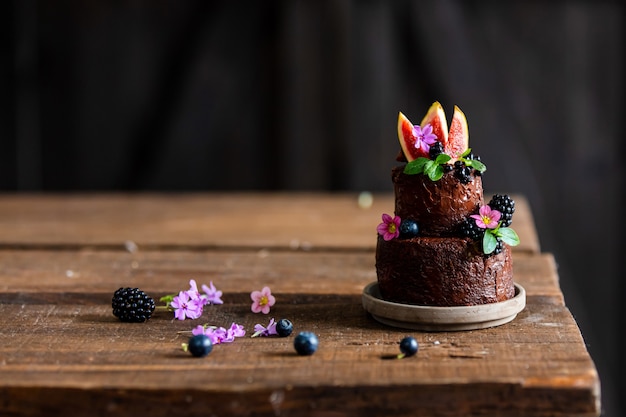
x: 436, y: 318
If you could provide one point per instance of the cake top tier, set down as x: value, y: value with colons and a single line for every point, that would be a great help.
x: 439, y: 188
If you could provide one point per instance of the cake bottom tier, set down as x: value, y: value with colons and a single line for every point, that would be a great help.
x: 438, y: 271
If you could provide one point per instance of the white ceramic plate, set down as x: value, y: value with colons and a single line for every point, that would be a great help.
x: 428, y: 318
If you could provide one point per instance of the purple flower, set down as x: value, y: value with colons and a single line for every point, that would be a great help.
x: 487, y: 218
x: 262, y: 300
x: 212, y: 295
x: 425, y: 137
x: 219, y: 334
x: 199, y: 329
x: 390, y: 227
x: 193, y: 292
x: 186, y: 306
x: 259, y: 330
x: 237, y: 330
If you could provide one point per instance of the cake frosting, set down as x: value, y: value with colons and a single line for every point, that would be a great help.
x: 443, y: 246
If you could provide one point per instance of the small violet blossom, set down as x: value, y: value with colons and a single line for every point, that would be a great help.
x: 487, y: 218
x: 390, y: 227
x: 185, y: 306
x: 270, y: 330
x: 262, y: 300
x: 219, y: 334
x: 424, y: 137
x: 213, y: 296
x: 190, y: 303
x: 193, y: 292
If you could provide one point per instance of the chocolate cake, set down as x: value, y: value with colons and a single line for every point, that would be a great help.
x: 443, y: 246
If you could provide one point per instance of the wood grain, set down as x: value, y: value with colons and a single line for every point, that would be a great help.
x: 62, y: 344
x: 305, y: 221
x: 64, y: 353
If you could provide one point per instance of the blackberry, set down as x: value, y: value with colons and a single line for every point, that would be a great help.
x: 470, y: 229
x: 499, y: 247
x: 435, y: 150
x: 464, y: 174
x: 472, y: 157
x: 447, y: 167
x: 132, y: 305
x: 505, y: 205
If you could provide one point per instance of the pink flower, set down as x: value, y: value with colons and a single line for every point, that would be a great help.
x: 213, y: 296
x: 425, y: 137
x: 185, y: 306
x: 390, y: 227
x: 262, y: 300
x: 487, y: 218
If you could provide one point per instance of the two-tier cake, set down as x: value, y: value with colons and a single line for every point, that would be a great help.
x: 443, y: 246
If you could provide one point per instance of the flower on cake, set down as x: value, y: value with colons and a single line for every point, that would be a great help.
x: 424, y: 137
x: 390, y: 227
x: 487, y: 218
x: 262, y: 300
x: 494, y: 233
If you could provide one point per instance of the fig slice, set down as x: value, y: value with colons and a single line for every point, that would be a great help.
x: 455, y: 141
x: 437, y: 119
x: 458, y: 136
x: 407, y: 138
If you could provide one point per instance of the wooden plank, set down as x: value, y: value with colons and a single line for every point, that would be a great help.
x: 81, y: 357
x: 65, y: 272
x: 63, y: 350
x: 306, y: 221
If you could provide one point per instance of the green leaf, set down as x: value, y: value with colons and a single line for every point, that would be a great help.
x: 508, y: 236
x: 467, y: 152
x: 167, y: 299
x: 489, y: 242
x: 477, y: 165
x: 436, y: 174
x: 442, y: 158
x: 430, y: 169
x: 416, y: 166
x: 425, y: 166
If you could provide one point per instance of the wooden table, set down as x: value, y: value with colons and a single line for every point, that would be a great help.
x: 64, y: 353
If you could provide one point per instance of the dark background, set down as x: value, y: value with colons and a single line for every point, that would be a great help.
x: 304, y: 95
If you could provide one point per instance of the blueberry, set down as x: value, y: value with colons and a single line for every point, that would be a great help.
x: 200, y: 345
x: 408, y: 346
x: 306, y: 343
x: 408, y: 229
x: 284, y: 327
